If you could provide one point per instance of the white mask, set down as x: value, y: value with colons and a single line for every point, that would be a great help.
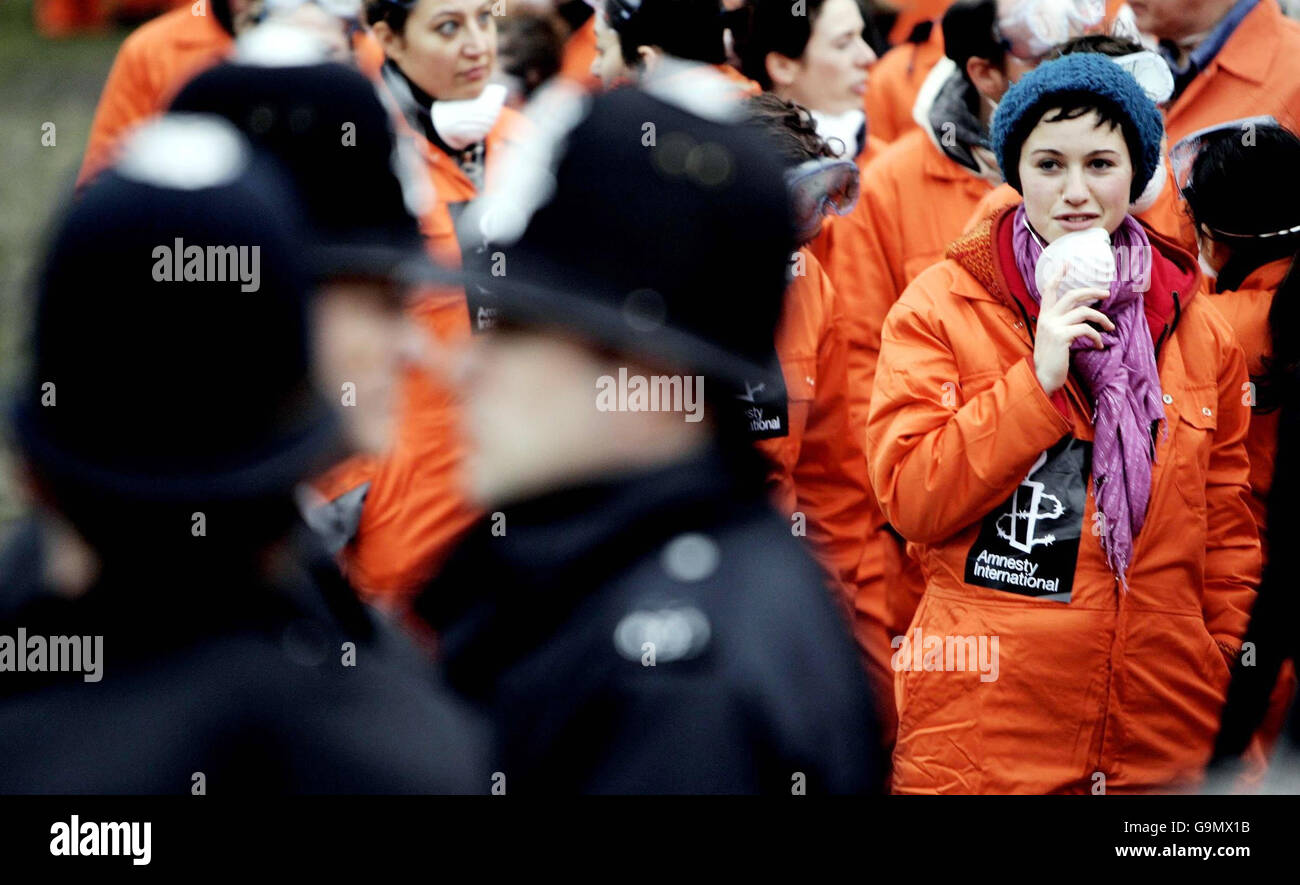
x: 1086, y: 256
x: 466, y: 122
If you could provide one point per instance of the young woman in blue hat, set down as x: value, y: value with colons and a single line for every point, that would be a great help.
x: 1057, y: 427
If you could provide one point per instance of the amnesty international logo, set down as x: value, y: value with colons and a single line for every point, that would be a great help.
x: 1031, y: 504
x: 1029, y: 543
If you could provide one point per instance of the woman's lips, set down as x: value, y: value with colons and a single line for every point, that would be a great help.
x: 1077, y: 220
x: 477, y: 73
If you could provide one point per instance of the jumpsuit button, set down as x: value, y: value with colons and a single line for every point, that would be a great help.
x: 1168, y: 399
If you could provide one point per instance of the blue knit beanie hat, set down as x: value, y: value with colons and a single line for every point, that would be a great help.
x: 1086, y: 76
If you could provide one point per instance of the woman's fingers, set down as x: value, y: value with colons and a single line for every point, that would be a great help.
x: 1083, y: 330
x: 1084, y: 314
x: 1075, y: 297
x: 1051, y: 296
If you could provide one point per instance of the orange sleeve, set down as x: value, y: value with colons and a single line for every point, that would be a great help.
x: 1232, y: 555
x: 830, y: 473
x: 895, y: 81
x: 888, y: 100
x: 830, y: 479
x: 802, y: 325
x: 864, y: 262
x: 938, y: 466
x: 130, y: 95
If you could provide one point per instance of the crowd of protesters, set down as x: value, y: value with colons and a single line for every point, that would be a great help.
x: 666, y: 396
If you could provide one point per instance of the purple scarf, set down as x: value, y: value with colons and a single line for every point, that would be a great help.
x: 1124, y: 385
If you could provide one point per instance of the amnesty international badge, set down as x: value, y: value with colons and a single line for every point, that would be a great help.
x: 1029, y: 543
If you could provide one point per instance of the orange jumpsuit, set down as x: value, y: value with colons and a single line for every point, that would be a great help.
x: 819, y: 468
x: 1246, y: 310
x: 1111, y: 687
x: 415, y: 509
x: 154, y: 62
x: 1256, y: 72
x: 914, y: 201
x: 894, y: 82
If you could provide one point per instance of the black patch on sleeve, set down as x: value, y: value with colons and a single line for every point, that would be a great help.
x: 764, y: 406
x: 476, y: 259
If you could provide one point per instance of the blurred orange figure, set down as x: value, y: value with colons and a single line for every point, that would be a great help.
x: 62, y: 18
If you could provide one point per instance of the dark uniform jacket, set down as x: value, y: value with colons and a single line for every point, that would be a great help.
x: 663, y: 633
x: 247, y: 683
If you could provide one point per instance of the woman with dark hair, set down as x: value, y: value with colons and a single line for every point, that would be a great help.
x: 1239, y: 183
x: 1240, y: 187
x: 637, y: 39
x: 815, y: 54
x: 531, y: 51
x: 1057, y: 428
x: 439, y: 68
x: 440, y: 64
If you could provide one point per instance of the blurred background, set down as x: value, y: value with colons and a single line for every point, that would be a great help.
x: 43, y: 79
x: 54, y: 58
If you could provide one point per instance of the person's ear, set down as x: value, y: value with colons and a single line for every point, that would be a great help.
x: 390, y: 41
x: 781, y: 70
x: 649, y: 57
x: 989, y: 79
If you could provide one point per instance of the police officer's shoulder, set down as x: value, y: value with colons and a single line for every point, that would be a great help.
x: 334, y: 711
x: 738, y: 585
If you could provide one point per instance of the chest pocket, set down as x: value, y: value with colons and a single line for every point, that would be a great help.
x: 1192, y: 428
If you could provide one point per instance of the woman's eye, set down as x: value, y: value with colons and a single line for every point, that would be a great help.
x: 1102, y: 164
x: 484, y: 18
x: 446, y: 29
x: 1047, y: 165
